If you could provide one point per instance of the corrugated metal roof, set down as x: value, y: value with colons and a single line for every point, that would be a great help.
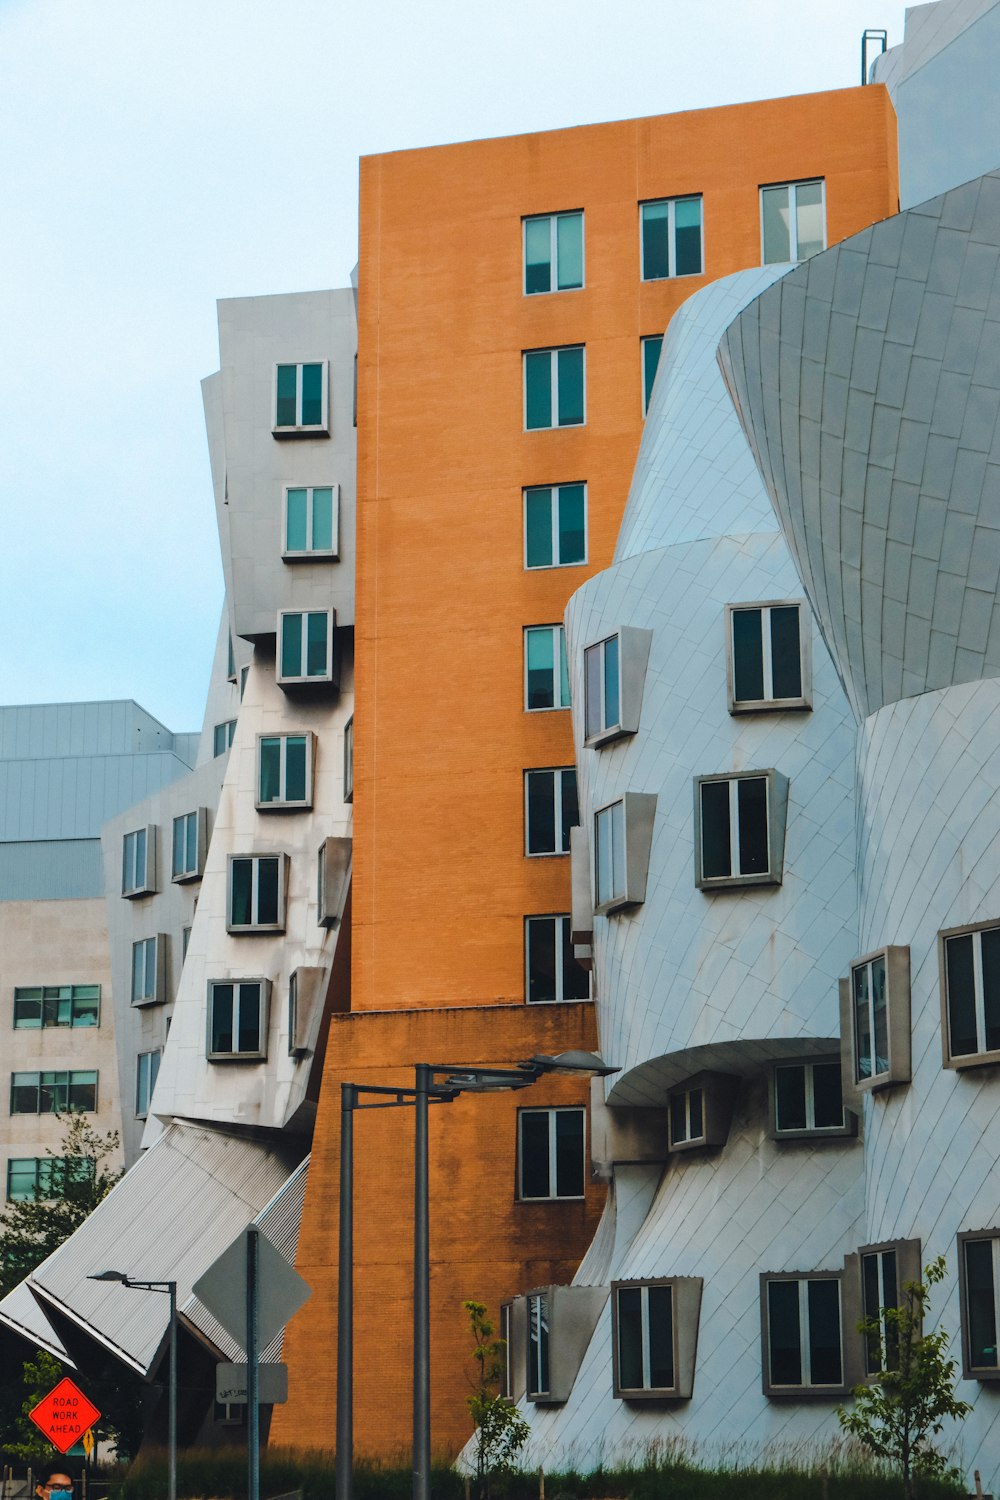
x: 280, y: 1221
x: 170, y: 1217
x: 20, y: 1311
x: 51, y: 870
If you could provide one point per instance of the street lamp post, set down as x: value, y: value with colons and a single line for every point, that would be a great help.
x: 170, y: 1287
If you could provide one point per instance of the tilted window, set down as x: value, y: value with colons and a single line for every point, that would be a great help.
x: 237, y: 1019
x: 654, y: 1335
x: 546, y: 673
x: 670, y: 238
x: 614, y: 672
x: 222, y: 737
x: 802, y: 1334
x: 554, y: 388
x: 792, y: 221
x: 139, y: 862
x: 149, y: 970
x: 699, y: 1113
x: 190, y: 845
x: 623, y: 833
x: 553, y: 253
x: 555, y: 526
x: 875, y: 1019
x: 651, y: 347
x: 550, y: 1153
x: 37, y: 1006
x: 971, y: 996
x: 284, y: 771
x: 257, y: 892
x: 305, y: 646
x: 740, y: 829
x: 769, y: 664
x: 301, y: 399
x: 550, y: 810
x: 310, y: 522
x: 147, y: 1067
x: 553, y: 973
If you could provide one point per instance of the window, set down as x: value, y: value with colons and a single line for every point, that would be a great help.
x: 971, y: 996
x: 310, y: 522
x: 538, y: 1345
x: 554, y: 388
x: 553, y: 253
x: 146, y: 1068
x: 614, y: 671
x: 349, y: 760
x: 555, y: 526
x: 237, y: 1019
x: 38, y: 1006
x: 546, y: 673
x: 670, y: 238
x: 34, y: 1178
x: 256, y: 893
x: 149, y: 970
x: 301, y: 399
x: 875, y: 1018
x: 651, y: 347
x: 654, y: 1335
x: 739, y: 829
x: 305, y: 653
x: 190, y: 843
x: 284, y: 771
x: 767, y: 666
x: 552, y: 970
x: 139, y: 862
x: 885, y: 1270
x: 332, y: 876
x: 244, y: 674
x: 792, y: 221
x: 807, y: 1100
x: 550, y: 810
x: 979, y: 1279
x: 222, y: 736
x: 506, y: 1363
x: 306, y: 994
x: 550, y: 1153
x: 687, y: 1118
x: 294, y: 1041
x: 185, y: 940
x: 802, y: 1334
x: 699, y: 1113
x: 52, y: 1093
x: 623, y: 833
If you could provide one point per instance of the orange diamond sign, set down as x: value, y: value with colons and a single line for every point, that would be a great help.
x: 64, y: 1415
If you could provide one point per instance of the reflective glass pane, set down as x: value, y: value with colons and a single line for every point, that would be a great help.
x: 538, y: 528
x: 687, y: 237
x: 751, y: 793
x: 86, y: 1005
x: 541, y: 812
x: 538, y: 1344
x: 592, y: 698
x: 569, y: 808
x: 291, y: 646
x: 21, y: 1178
x: 618, y: 848
x: 240, y: 899
x: 138, y: 971
x: 790, y: 1097
x: 630, y: 1377
x: 537, y: 255
x: 269, y: 786
x: 540, y: 667
x: 828, y: 1097
x: 564, y: 699
x: 862, y: 1023
x: 317, y: 629
x: 661, y: 1338
x: 696, y: 1114
x: 248, y: 1035
x: 569, y: 251
x: 612, y: 682
x: 312, y: 395
x: 576, y: 980
x: 81, y: 1089
x: 296, y: 522
x: 784, y: 1340
x: 24, y: 1093
x: 809, y: 218
x: 295, y: 768
x: 28, y: 1009
x: 824, y: 1332
x: 284, y: 415
x: 748, y: 656
x: 786, y: 654
x: 650, y: 360
x: 981, y: 1304
x: 191, y: 842
x: 962, y: 1030
x: 716, y: 853
x: 569, y: 380
x: 540, y: 935
x: 678, y: 1118
x: 569, y: 1153
x: 267, y: 892
x: 140, y: 859
x: 603, y: 866
x: 572, y: 524
x: 990, y: 940
x: 655, y: 241
x: 538, y: 389
x: 534, y: 1153
x: 880, y: 1016
x: 871, y: 1303
x: 322, y: 519
x: 179, y: 865
x: 150, y: 980
x: 775, y: 217
x: 222, y: 1018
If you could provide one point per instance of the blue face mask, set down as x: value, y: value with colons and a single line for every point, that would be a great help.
x: 60, y: 1495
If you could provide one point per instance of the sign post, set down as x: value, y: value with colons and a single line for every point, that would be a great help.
x: 64, y: 1415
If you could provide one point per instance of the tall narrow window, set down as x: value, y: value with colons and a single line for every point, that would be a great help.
x: 871, y: 1018
x: 554, y: 387
x: 139, y: 862
x: 552, y: 970
x: 880, y: 1289
x: 189, y: 841
x: 538, y: 1345
x: 546, y: 672
x: 550, y: 1153
x: 609, y: 854
x: 305, y: 651
x: 301, y: 399
x: 284, y: 771
x: 802, y: 1333
x: 979, y: 1278
x: 671, y: 238
x: 149, y: 970
x: 550, y: 810
x: 651, y: 348
x: 237, y: 1019
x: 645, y: 1326
x: 768, y: 667
x: 792, y: 221
x: 310, y: 522
x: 602, y: 687
x: 555, y: 526
x: 222, y: 736
x: 972, y: 997
x: 687, y: 1117
x: 349, y: 760
x: 553, y: 253
x: 147, y: 1066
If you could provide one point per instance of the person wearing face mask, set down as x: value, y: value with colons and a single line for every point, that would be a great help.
x: 55, y: 1484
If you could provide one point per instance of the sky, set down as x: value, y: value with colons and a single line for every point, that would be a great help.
x: 158, y: 154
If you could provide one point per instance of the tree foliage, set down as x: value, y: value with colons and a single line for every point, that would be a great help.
x: 904, y: 1410
x: 501, y: 1431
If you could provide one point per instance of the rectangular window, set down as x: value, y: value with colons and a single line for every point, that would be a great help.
x: 875, y: 1019
x: 552, y: 970
x: 687, y: 1118
x: 808, y: 1100
x: 670, y: 238
x: 971, y: 966
x: 555, y: 526
x: 190, y: 839
x: 301, y: 399
x: 506, y: 1368
x: 256, y: 893
x: 222, y: 737
x: 880, y: 1288
x: 550, y: 810
x: 538, y: 1345
x: 792, y: 221
x: 310, y: 524
x: 52, y: 1093
x: 284, y: 771
x: 550, y: 1153
x: 237, y: 1019
x: 602, y: 693
x: 37, y: 1006
x: 740, y: 829
x: 871, y: 1019
x: 979, y: 1278
x: 546, y: 671
x: 349, y: 760
x: 767, y: 666
x: 149, y: 968
x: 645, y: 1338
x: 554, y: 388
x: 146, y: 1068
x: 803, y: 1338
x: 305, y: 650
x: 138, y: 862
x: 651, y: 347
x: 609, y: 855
x: 39, y: 1178
x: 553, y: 253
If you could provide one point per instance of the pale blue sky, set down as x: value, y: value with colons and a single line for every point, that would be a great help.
x: 158, y: 154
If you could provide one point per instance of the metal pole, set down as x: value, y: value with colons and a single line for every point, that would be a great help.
x: 172, y: 1397
x: 253, y: 1396
x: 344, y: 1471
x: 421, y: 1296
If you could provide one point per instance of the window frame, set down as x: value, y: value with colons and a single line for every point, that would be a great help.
x: 535, y: 1391
x: 151, y: 1069
x: 555, y: 502
x: 685, y: 1309
x: 560, y: 660
x: 793, y: 218
x: 349, y: 760
x: 195, y: 872
x: 551, y: 1197
x: 22, y: 994
x: 553, y: 351
x: 961, y: 1061
x: 69, y: 1074
x: 241, y: 929
x: 970, y: 1371
x: 908, y: 1267
x: 314, y: 679
x: 562, y: 937
x: 809, y: 1132
x: 158, y: 994
x: 300, y: 428
x: 775, y: 812
x: 228, y: 733
x: 772, y: 704
x: 559, y: 774
x: 808, y: 1389
x: 646, y: 341
x: 310, y: 553
x: 607, y: 731
x: 285, y: 803
x: 633, y: 657
x: 139, y: 869
x: 898, y: 1037
x: 671, y: 202
x: 638, y: 817
x: 563, y: 213
x: 263, y: 1018
x: 39, y: 1193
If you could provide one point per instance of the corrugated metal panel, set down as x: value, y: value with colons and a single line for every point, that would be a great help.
x: 54, y: 870
x: 280, y: 1221
x: 71, y: 797
x: 171, y: 1215
x: 33, y: 731
x: 21, y: 1312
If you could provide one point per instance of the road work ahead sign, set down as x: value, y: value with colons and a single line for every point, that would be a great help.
x: 64, y: 1415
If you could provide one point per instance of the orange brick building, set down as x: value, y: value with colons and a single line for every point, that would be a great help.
x: 446, y: 724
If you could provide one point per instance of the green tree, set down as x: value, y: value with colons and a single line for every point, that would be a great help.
x: 501, y: 1431
x: 23, y: 1439
x: 899, y: 1415
x: 79, y: 1176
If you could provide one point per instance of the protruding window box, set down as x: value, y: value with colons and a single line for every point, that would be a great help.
x: 310, y: 530
x: 884, y: 1271
x: 305, y: 999
x: 238, y: 1019
x: 700, y: 1112
x: 768, y: 660
x: 257, y: 886
x: 301, y: 399
x: 654, y: 1337
x: 623, y: 836
x: 190, y: 845
x: 806, y: 1101
x: 332, y: 875
x: 614, y: 671
x: 139, y: 862
x: 875, y: 1021
x: 149, y: 970
x: 514, y: 1332
x: 306, y: 648
x: 970, y: 995
x: 561, y: 1323
x: 285, y: 771
x: 739, y: 828
x: 582, y: 918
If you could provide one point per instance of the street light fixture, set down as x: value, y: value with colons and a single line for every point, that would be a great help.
x: 170, y: 1287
